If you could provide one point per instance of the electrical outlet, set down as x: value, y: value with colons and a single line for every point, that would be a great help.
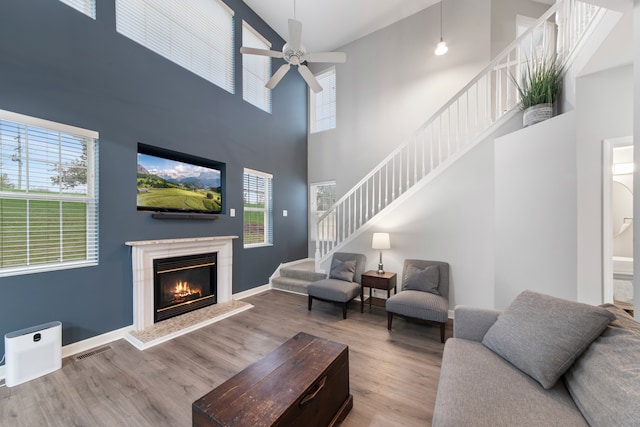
x: 232, y: 212
x: 285, y: 213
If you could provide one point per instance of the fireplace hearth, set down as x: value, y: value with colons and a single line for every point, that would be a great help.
x: 183, y: 284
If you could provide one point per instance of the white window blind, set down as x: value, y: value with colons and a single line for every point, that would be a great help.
x: 258, y: 213
x: 195, y: 34
x: 48, y: 195
x: 322, y: 106
x: 88, y: 7
x: 256, y: 70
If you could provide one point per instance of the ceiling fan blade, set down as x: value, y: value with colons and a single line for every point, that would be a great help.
x: 308, y: 77
x: 335, y: 57
x: 277, y: 76
x: 263, y: 52
x: 295, y: 34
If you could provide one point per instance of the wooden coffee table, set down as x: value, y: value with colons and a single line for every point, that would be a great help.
x: 304, y: 382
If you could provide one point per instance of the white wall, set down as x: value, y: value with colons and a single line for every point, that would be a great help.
x: 636, y: 129
x: 535, y: 211
x: 451, y: 219
x: 503, y: 20
x: 604, y: 109
x: 392, y: 82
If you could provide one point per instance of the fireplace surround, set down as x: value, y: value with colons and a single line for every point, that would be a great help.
x: 144, y: 253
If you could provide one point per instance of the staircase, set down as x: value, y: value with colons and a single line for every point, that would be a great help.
x: 477, y: 110
x: 295, y: 278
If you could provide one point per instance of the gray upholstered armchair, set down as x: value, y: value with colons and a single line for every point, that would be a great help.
x: 343, y: 283
x: 424, y: 294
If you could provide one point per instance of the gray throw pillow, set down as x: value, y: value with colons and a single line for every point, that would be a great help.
x: 543, y: 335
x: 605, y: 381
x: 425, y: 280
x: 342, y: 270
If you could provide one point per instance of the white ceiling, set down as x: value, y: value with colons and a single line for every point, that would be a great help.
x: 330, y: 24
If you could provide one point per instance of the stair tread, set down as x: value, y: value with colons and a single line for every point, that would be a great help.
x: 291, y: 280
x: 294, y: 273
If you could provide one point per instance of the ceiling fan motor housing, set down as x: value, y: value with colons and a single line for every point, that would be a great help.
x: 294, y: 56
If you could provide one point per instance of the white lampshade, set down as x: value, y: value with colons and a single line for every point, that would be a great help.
x: 380, y: 241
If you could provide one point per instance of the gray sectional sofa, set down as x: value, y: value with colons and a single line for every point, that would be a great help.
x: 542, y: 362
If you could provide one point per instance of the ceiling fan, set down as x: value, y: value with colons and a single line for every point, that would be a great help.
x: 294, y: 53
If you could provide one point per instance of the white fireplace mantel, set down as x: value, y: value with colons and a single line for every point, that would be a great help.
x: 146, y: 251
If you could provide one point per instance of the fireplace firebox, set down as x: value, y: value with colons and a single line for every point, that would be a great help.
x: 183, y: 284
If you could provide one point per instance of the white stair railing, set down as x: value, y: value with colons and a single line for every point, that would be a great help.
x: 455, y: 128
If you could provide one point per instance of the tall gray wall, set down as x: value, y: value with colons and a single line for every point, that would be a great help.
x: 60, y: 65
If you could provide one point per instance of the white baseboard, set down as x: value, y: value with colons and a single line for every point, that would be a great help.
x: 251, y: 292
x: 93, y: 342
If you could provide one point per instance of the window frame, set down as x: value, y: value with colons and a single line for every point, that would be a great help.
x: 90, y: 199
x: 267, y: 210
x: 328, y: 106
x: 247, y: 89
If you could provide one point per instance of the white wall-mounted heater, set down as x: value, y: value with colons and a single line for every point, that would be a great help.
x: 32, y: 352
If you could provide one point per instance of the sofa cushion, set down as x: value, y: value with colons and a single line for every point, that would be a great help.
x: 342, y: 270
x: 543, y: 335
x: 479, y: 388
x: 605, y: 380
x: 419, y: 305
x: 423, y: 279
x: 334, y: 290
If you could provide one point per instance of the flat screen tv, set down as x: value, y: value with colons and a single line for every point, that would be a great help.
x: 174, y: 182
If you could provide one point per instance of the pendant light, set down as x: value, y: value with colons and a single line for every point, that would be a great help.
x: 441, y: 48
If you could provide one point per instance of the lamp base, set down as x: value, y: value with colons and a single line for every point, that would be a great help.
x: 380, y: 268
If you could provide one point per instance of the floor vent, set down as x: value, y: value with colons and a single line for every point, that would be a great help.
x: 93, y: 352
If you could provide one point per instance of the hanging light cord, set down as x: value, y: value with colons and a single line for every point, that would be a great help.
x: 441, y: 20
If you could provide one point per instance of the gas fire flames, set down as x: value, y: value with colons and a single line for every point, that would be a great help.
x: 184, y: 292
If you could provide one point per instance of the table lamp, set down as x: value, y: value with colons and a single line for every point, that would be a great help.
x: 380, y: 241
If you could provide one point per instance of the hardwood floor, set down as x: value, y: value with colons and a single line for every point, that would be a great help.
x: 393, y: 376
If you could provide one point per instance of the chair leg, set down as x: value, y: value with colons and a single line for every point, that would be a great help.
x: 310, y: 299
x: 344, y: 310
x: 442, y: 325
x: 389, y: 319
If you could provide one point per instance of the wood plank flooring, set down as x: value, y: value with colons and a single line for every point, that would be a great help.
x: 393, y: 376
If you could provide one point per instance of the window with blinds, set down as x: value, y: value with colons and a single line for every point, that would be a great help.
x: 48, y: 195
x: 258, y: 213
x: 322, y: 198
x: 195, y: 34
x: 322, y: 105
x: 88, y: 7
x: 256, y: 70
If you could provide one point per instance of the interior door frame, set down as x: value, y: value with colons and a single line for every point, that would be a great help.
x: 607, y: 215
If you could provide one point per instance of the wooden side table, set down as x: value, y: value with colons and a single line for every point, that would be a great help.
x: 372, y: 280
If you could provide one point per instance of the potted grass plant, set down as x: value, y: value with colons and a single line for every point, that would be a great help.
x: 539, y: 88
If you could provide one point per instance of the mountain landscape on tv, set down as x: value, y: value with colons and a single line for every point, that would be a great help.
x: 168, y: 185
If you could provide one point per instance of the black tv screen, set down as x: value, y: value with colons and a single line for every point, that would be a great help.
x: 173, y: 182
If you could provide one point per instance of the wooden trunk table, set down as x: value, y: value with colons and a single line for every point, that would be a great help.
x: 304, y: 382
